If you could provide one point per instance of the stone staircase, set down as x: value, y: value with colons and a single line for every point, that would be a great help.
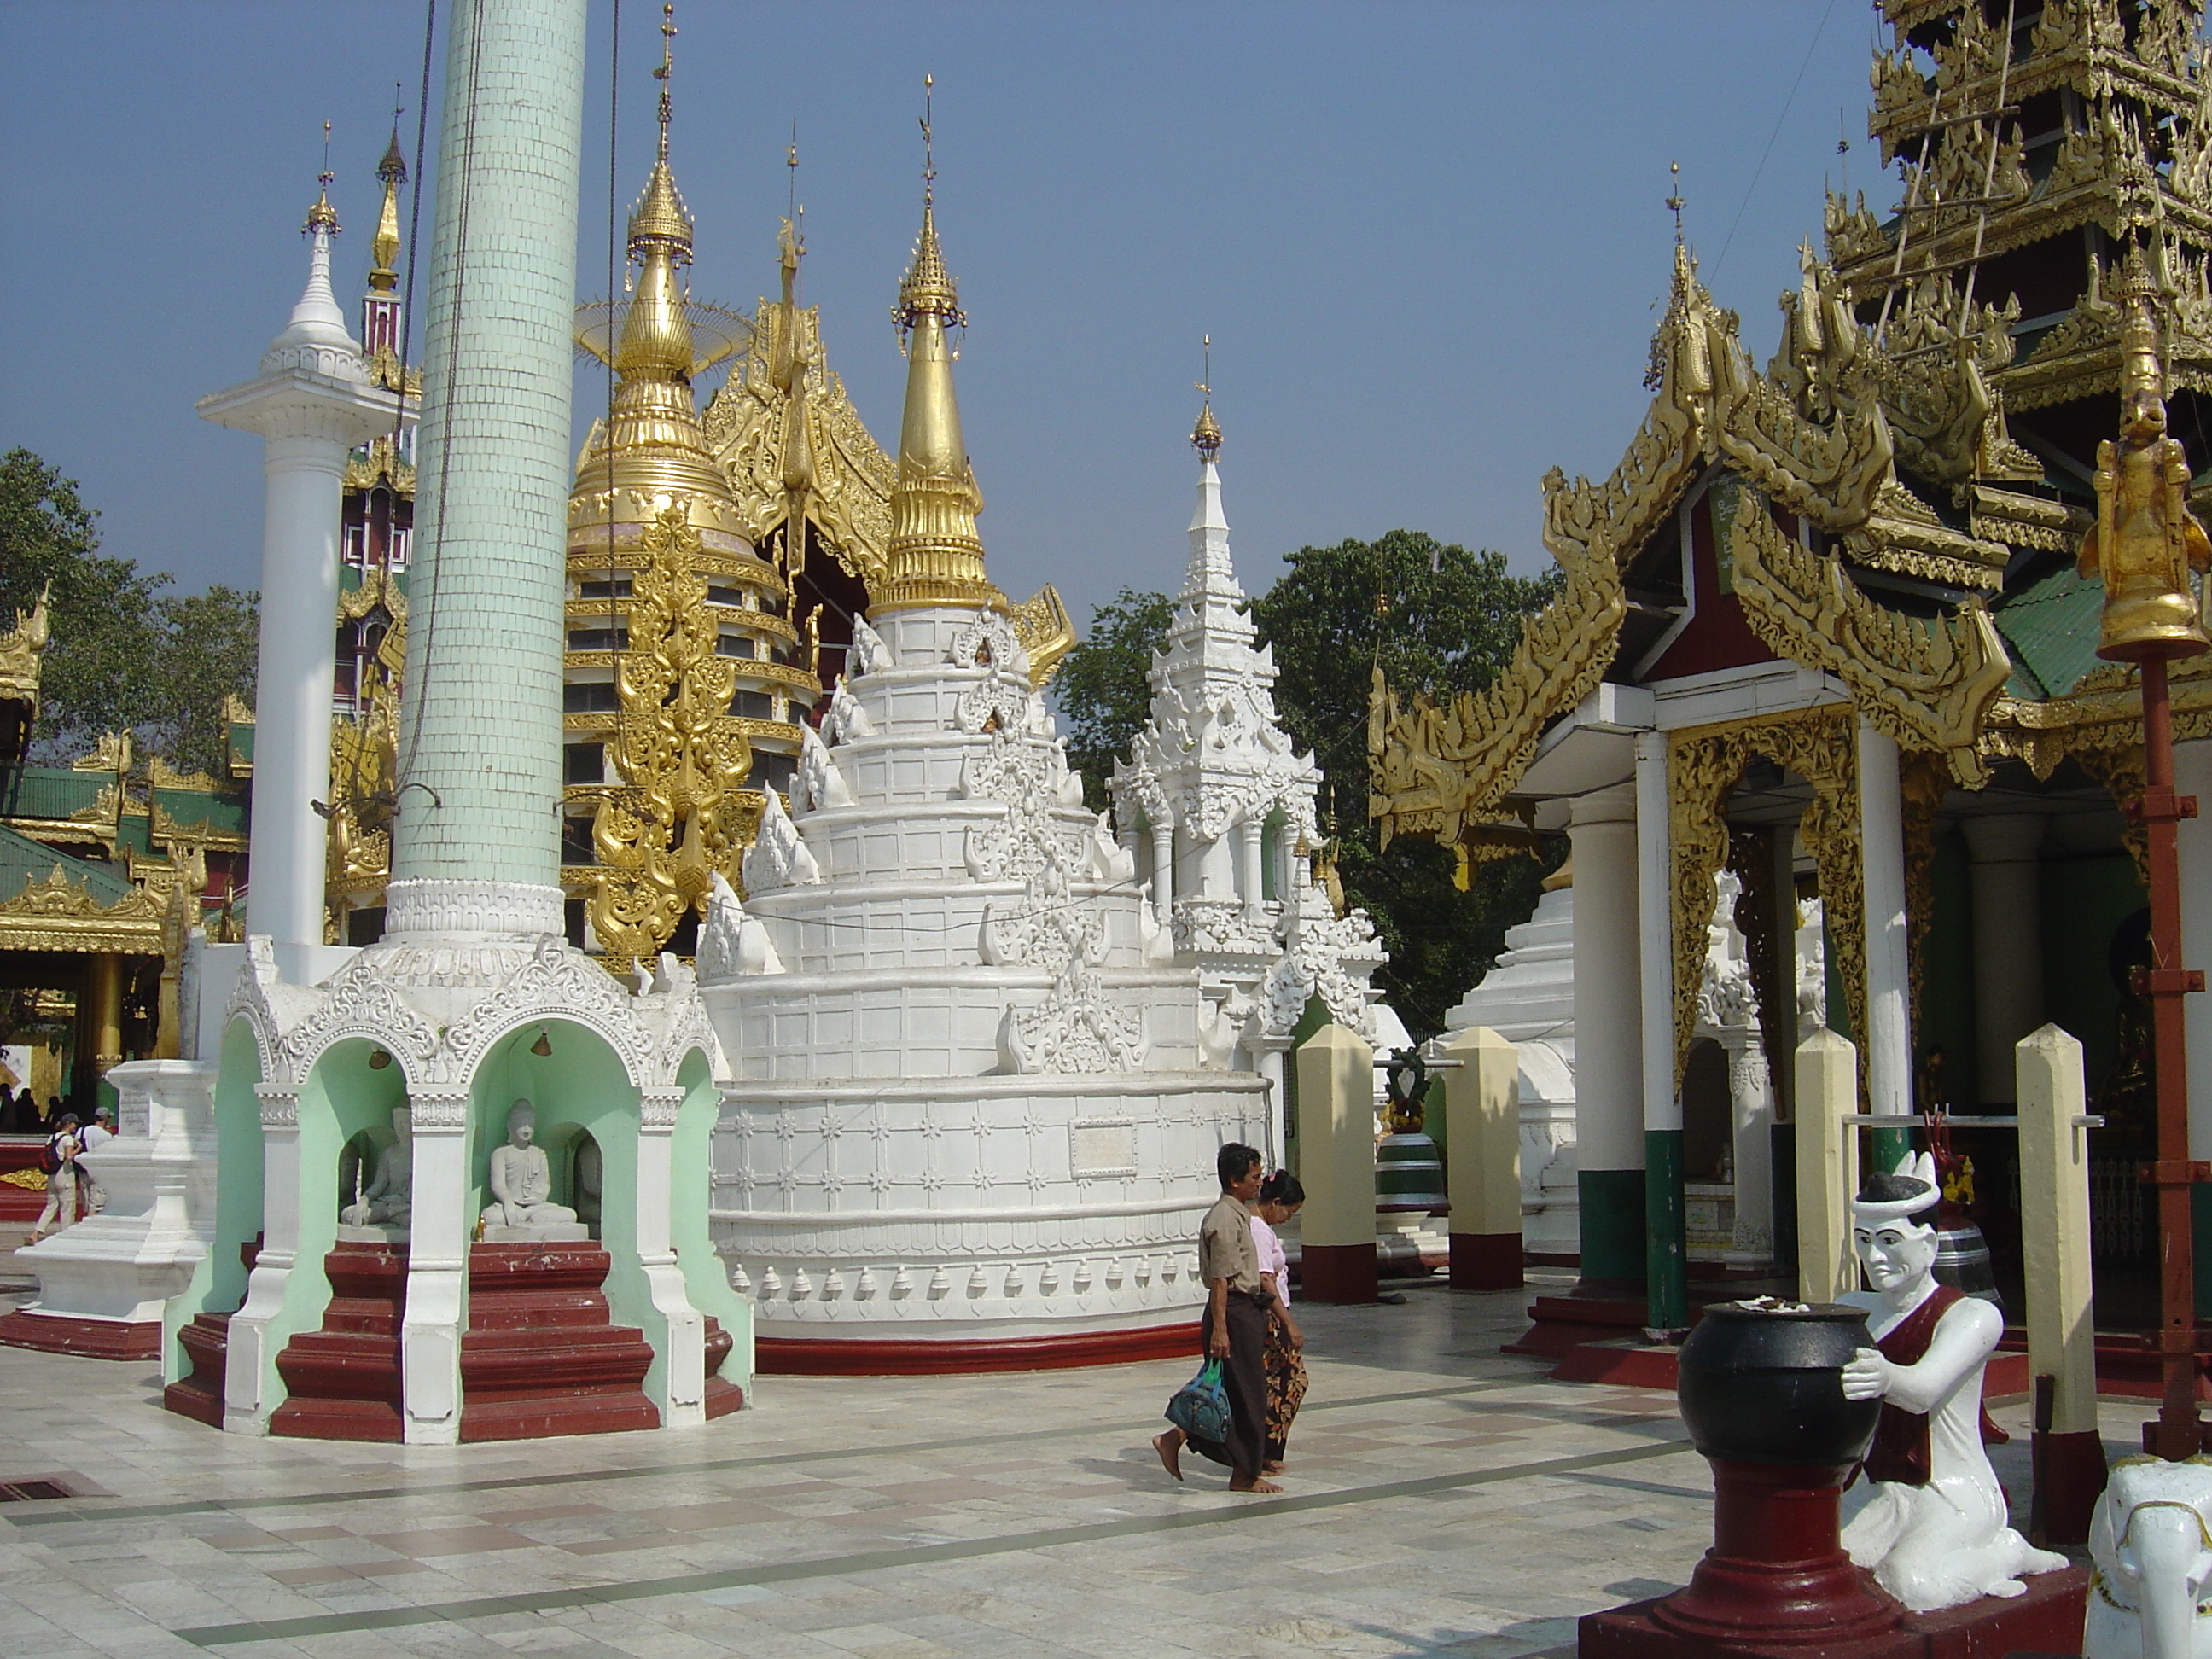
x: 541, y: 1356
x: 342, y: 1382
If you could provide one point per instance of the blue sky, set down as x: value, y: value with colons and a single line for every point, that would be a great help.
x: 1426, y: 238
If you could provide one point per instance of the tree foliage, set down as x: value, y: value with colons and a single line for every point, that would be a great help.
x: 1103, y: 688
x: 122, y: 654
x: 1448, y: 619
x: 1431, y: 614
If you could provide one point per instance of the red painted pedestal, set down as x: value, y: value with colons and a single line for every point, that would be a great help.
x: 342, y: 1381
x: 88, y: 1339
x: 541, y: 1356
x: 198, y: 1394
x: 1776, y: 1583
x: 1340, y: 1273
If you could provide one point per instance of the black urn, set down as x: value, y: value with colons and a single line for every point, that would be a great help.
x: 1764, y: 1385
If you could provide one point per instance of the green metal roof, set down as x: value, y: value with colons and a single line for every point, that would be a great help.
x: 21, y: 859
x: 195, y: 809
x: 2051, y: 627
x: 52, y: 791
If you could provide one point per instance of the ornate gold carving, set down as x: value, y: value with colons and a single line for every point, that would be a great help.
x: 22, y: 652
x: 2121, y: 772
x: 60, y: 914
x: 1925, y: 683
x: 1704, y: 765
x: 661, y: 839
x: 1042, y: 624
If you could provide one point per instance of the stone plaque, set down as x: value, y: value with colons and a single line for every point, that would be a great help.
x: 1101, y: 1146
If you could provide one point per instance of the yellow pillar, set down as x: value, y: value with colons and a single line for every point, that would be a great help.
x: 1827, y: 1166
x: 2054, y: 1231
x: 1482, y: 1131
x: 1336, y: 1166
x: 104, y: 995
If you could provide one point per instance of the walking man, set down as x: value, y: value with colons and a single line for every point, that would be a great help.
x: 92, y: 1197
x: 1234, y: 1326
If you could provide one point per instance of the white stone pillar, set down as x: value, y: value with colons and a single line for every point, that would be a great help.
x: 1886, y: 1042
x: 1655, y: 935
x: 311, y: 403
x: 437, y: 1272
x: 1827, y: 1166
x: 1267, y: 1054
x: 1250, y: 833
x: 1609, y: 1036
x: 2192, y: 775
x: 252, y: 1391
x: 1164, y: 885
x: 1751, y: 1104
x: 2007, y: 878
x: 678, y: 1382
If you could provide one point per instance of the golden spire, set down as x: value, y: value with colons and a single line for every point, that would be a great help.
x: 660, y: 219
x: 1205, y: 436
x: 384, y: 247
x: 323, y: 216
x: 935, y: 557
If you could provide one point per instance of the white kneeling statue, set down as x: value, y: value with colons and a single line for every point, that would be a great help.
x: 388, y: 1200
x: 1934, y: 1529
x: 522, y: 1179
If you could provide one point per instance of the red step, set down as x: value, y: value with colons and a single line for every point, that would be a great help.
x: 342, y: 1381
x: 722, y: 1397
x: 198, y: 1395
x: 541, y: 1355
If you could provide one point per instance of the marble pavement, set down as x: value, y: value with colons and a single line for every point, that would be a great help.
x: 1443, y: 1498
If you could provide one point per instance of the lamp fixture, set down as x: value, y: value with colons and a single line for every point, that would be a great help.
x: 544, y: 1046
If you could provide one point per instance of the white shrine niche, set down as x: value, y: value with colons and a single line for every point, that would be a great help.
x: 968, y: 1103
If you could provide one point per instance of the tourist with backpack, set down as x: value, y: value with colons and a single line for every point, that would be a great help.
x: 58, y: 1159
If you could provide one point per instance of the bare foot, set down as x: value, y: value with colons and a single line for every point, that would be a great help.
x: 1271, y: 1468
x: 1257, y: 1485
x: 1169, y: 1447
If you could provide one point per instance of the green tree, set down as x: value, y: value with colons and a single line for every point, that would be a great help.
x: 1103, y: 688
x: 122, y: 653
x: 1431, y: 614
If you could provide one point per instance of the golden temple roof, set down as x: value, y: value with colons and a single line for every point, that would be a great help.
x: 383, y: 247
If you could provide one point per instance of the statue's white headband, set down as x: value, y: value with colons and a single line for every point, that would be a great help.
x: 1906, y: 1192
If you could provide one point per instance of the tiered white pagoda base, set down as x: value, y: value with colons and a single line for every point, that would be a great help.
x: 969, y: 1128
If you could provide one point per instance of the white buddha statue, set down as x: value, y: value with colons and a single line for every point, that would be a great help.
x: 1933, y: 1530
x: 388, y: 1200
x: 522, y: 1178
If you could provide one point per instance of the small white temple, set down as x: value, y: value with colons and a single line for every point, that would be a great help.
x: 976, y: 1102
x: 1216, y: 806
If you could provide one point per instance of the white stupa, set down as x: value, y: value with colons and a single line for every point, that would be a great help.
x: 975, y: 1110
x: 1216, y: 806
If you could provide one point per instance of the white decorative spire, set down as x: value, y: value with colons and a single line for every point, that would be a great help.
x: 317, y: 325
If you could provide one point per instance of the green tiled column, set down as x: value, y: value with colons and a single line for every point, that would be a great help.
x: 480, y: 721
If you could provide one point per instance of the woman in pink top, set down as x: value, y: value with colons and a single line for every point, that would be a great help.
x: 1280, y: 1198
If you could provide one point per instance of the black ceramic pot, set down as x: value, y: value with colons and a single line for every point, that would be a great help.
x: 1767, y: 1387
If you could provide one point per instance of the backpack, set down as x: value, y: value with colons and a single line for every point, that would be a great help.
x: 51, y: 1160
x: 1201, y: 1407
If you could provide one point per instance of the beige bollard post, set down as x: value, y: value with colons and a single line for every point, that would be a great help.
x: 1827, y: 1166
x: 1482, y: 1128
x: 2054, y: 1229
x: 1336, y: 1166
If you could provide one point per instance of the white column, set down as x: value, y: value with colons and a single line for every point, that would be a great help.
x: 1750, y: 1104
x: 1886, y: 1042
x: 252, y: 1391
x: 1655, y: 942
x: 681, y: 1376
x: 2008, y: 943
x: 1250, y: 833
x: 291, y: 699
x: 1608, y: 1016
x: 437, y: 1272
x: 1163, y: 872
x: 1267, y: 1054
x: 2192, y: 775
x: 311, y: 403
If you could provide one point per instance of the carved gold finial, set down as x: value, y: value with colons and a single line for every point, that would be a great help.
x: 1674, y: 202
x: 383, y: 247
x: 1205, y: 436
x: 323, y: 216
x: 2145, y: 542
x: 935, y: 556
x: 667, y: 64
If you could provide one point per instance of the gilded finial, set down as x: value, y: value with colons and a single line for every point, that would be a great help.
x: 384, y: 247
x: 1205, y: 436
x: 667, y: 64
x: 323, y: 216
x: 928, y: 290
x: 1675, y: 203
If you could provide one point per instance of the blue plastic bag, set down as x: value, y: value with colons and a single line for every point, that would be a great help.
x: 1201, y: 1407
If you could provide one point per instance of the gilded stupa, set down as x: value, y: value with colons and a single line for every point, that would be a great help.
x: 684, y: 677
